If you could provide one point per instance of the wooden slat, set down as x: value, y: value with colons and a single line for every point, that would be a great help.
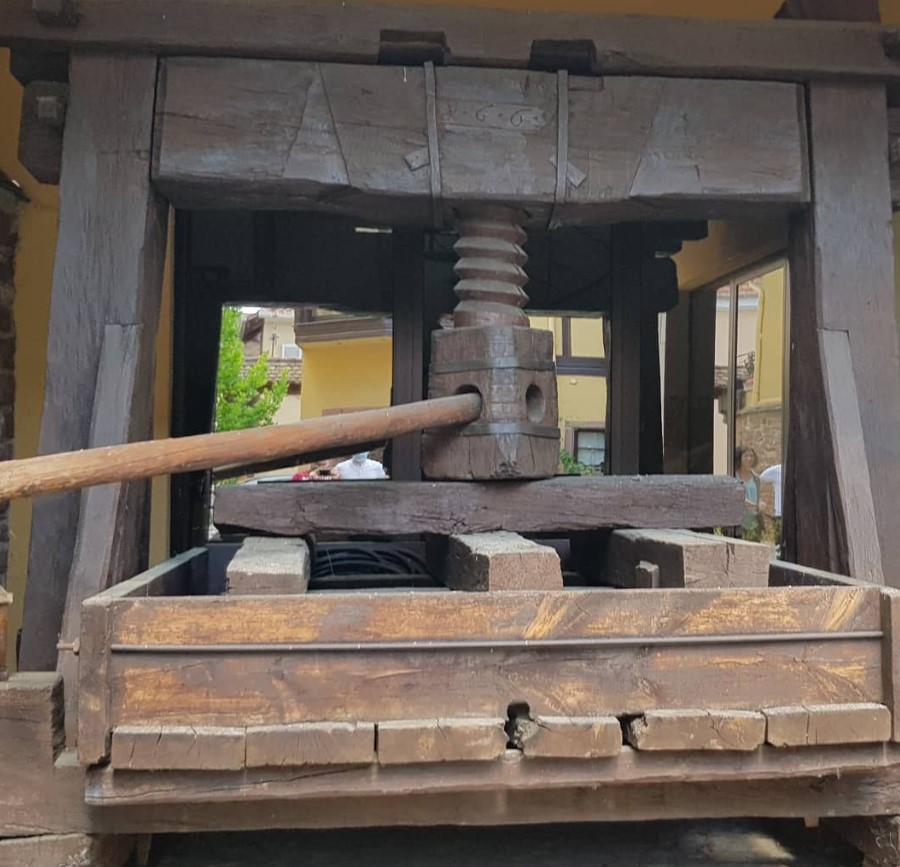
x: 172, y: 577
x: 690, y: 730
x: 389, y: 508
x: 515, y: 773
x: 548, y: 615
x: 278, y: 687
x: 93, y: 683
x: 572, y: 738
x: 784, y: 574
x: 838, y: 286
x: 827, y: 724
x: 186, y: 748
x: 320, y: 743
x: 409, y: 742
x: 308, y: 30
x: 362, y: 130
x: 108, y: 270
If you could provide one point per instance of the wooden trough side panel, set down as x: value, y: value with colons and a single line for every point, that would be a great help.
x: 358, y: 140
x: 265, y: 688
x: 351, y: 33
x: 348, y: 619
x: 447, y: 508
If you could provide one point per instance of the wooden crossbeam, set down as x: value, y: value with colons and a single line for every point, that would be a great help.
x: 446, y: 508
x: 360, y: 33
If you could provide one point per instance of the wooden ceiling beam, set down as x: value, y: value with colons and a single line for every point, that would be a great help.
x: 355, y: 32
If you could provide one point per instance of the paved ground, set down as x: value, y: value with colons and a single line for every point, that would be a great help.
x: 682, y: 844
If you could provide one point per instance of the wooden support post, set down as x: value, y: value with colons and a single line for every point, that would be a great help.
x: 197, y: 322
x: 690, y: 373
x: 623, y: 428
x: 108, y: 270
x: 650, y: 460
x: 408, y: 345
x: 844, y: 370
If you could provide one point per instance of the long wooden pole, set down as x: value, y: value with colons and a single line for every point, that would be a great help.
x: 69, y: 471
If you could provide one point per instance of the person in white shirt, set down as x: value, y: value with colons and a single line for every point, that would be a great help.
x: 772, y: 476
x: 360, y: 467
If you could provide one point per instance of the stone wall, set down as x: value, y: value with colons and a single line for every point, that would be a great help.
x: 8, y: 237
x: 760, y: 428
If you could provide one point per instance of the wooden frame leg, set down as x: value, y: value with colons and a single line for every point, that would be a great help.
x: 843, y: 461
x: 108, y: 271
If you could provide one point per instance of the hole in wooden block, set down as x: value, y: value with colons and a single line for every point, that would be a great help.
x: 518, y: 721
x: 535, y: 405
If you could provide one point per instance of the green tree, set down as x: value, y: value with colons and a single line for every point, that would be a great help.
x: 244, y: 399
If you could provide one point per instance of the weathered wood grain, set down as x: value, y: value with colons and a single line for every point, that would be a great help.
x: 515, y: 772
x: 322, y: 743
x: 409, y: 742
x: 667, y: 730
x: 686, y: 559
x: 623, y: 45
x: 275, y: 687
x: 843, y: 286
x: 37, y: 797
x: 446, y: 508
x: 263, y: 565
x: 501, y: 561
x: 191, y: 748
x: 94, y: 727
x: 62, y: 850
x: 300, y: 132
x: 353, y: 618
x: 108, y: 270
x: 572, y: 738
x: 104, y: 546
x: 827, y: 724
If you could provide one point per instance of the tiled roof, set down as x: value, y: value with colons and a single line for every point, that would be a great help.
x: 293, y: 366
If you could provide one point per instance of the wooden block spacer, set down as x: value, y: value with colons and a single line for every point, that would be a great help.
x: 492, y: 351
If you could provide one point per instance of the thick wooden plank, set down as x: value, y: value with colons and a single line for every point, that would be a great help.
x: 62, y: 850
x: 37, y: 797
x: 185, y: 748
x: 516, y: 772
x: 668, y: 730
x: 353, y: 618
x: 319, y: 744
x: 854, y: 481
x: 685, y: 560
x: 274, y: 687
x: 501, y: 561
x: 890, y: 625
x: 795, y: 50
x: 410, y: 742
x: 104, y: 543
x: 304, y: 130
x: 827, y: 724
x: 784, y: 574
x: 445, y: 508
x: 408, y: 345
x: 839, y: 286
x: 263, y: 565
x: 572, y: 738
x: 93, y: 688
x: 108, y: 270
